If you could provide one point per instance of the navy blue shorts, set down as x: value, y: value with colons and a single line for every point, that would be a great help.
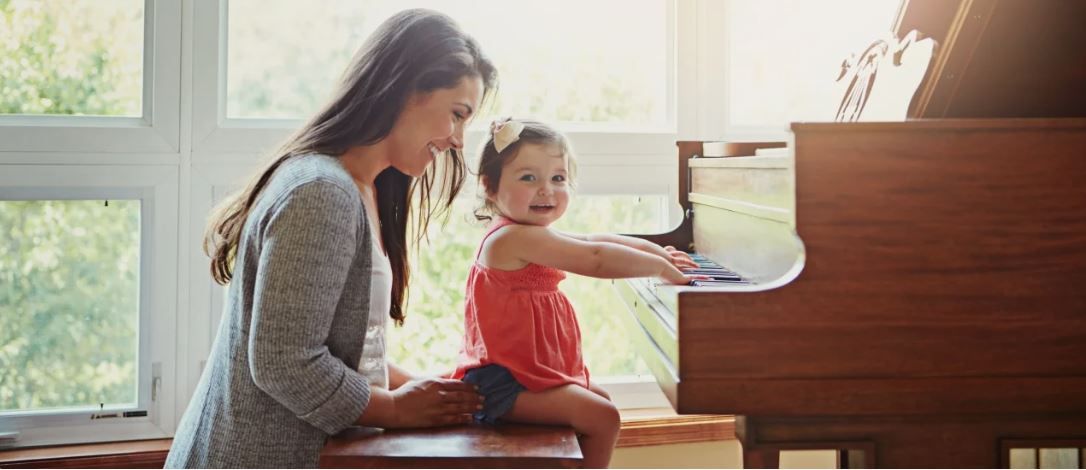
x: 498, y: 388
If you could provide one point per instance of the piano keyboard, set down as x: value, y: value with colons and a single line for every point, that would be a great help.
x: 718, y: 275
x: 664, y: 296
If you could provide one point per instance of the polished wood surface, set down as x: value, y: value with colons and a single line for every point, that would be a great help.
x: 469, y: 446
x: 939, y: 305
x: 131, y: 454
x: 653, y: 431
x: 949, y: 247
x: 1000, y: 58
x: 640, y: 427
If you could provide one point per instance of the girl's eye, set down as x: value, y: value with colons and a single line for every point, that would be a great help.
x: 527, y: 178
x: 457, y: 116
x: 559, y: 179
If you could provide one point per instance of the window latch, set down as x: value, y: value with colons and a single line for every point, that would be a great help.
x: 8, y: 438
x: 156, y: 379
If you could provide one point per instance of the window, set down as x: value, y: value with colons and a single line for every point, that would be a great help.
x: 86, y: 305
x: 784, y: 57
x: 597, y: 70
x: 69, y: 305
x: 611, y: 84
x: 89, y: 75
x: 79, y: 57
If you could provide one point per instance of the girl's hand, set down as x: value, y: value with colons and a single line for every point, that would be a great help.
x: 679, y: 259
x: 434, y: 402
x: 672, y: 275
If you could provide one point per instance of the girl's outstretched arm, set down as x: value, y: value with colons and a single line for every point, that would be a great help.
x: 678, y: 258
x: 516, y: 245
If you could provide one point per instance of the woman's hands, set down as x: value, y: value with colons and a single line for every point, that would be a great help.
x: 434, y: 402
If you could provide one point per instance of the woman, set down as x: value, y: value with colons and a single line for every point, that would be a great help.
x: 317, y: 244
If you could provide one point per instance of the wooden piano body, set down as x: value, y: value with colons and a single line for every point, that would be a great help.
x: 917, y: 291
x: 928, y: 301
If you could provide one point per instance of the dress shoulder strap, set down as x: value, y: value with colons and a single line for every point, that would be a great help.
x: 498, y: 223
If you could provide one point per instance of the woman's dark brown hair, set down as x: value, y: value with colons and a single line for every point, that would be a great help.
x: 492, y: 161
x: 414, y: 51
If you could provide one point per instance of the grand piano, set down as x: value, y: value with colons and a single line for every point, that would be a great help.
x: 909, y: 294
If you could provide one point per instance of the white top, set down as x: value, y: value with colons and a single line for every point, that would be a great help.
x: 373, y: 364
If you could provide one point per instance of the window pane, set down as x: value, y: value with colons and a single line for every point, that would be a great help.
x: 430, y: 338
x: 69, y: 296
x: 586, y: 66
x: 786, y: 54
x: 71, y: 57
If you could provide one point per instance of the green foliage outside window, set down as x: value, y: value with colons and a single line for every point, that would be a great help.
x: 69, y: 293
x: 72, y: 57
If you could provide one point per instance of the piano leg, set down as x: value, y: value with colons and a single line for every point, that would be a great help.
x: 765, y: 457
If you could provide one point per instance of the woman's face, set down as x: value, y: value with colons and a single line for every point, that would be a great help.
x: 432, y: 123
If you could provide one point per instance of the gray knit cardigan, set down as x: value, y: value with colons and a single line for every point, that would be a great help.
x: 281, y: 376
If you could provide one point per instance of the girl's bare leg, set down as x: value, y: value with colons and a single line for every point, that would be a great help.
x: 599, y: 390
x: 595, y: 418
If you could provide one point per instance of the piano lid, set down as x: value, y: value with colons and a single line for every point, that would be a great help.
x: 1000, y: 58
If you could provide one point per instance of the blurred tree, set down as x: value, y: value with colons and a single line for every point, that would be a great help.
x: 71, y: 57
x: 69, y: 295
x: 68, y: 269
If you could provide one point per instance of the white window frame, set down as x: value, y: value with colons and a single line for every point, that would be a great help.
x: 156, y: 130
x: 157, y: 189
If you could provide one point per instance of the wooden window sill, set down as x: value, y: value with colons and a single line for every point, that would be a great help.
x: 129, y: 454
x: 643, y: 427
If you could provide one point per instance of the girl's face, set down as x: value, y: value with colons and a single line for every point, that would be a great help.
x: 533, y: 188
x: 432, y: 123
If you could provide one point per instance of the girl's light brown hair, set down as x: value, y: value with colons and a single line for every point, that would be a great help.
x: 492, y: 161
x: 414, y: 51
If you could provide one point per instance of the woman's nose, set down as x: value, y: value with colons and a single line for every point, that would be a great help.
x: 456, y: 140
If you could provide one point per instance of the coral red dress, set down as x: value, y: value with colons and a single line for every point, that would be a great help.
x: 521, y: 321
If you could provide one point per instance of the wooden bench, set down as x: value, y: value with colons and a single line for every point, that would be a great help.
x: 469, y: 446
x: 472, y: 446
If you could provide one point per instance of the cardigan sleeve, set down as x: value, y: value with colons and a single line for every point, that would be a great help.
x: 308, y: 240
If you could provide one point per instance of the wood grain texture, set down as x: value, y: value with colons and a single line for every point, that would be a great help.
x: 940, y: 309
x: 934, y: 252
x: 639, y: 428
x: 676, y: 430
x: 1000, y: 58
x: 470, y: 446
x: 132, y: 454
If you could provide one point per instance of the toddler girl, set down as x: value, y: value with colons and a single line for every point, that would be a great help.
x: 522, y: 345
